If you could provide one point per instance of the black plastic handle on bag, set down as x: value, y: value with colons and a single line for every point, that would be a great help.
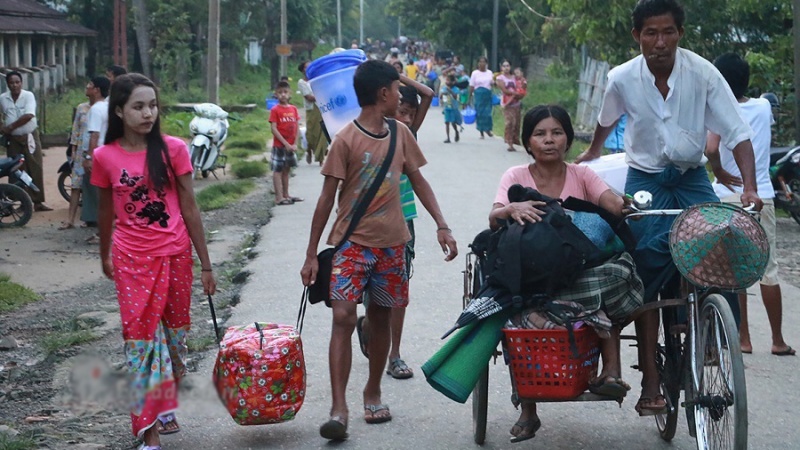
x: 301, y: 315
x: 214, y: 318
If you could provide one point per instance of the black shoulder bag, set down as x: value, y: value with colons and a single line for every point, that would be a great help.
x: 321, y: 289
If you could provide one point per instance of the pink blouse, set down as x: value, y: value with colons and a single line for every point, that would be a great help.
x: 581, y: 183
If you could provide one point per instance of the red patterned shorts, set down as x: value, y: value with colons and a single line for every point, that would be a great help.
x: 380, y: 272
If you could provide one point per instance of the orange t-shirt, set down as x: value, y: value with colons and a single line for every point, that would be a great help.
x: 355, y: 158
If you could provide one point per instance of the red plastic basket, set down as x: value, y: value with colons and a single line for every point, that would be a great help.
x: 543, y: 366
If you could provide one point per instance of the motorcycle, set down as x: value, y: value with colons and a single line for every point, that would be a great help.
x: 65, y: 177
x: 209, y: 129
x: 786, y: 166
x: 16, y: 206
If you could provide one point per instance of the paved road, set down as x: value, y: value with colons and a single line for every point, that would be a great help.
x: 464, y: 177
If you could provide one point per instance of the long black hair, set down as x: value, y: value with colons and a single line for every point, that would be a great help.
x: 157, y: 158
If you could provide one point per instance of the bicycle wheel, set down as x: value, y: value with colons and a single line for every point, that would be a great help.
x: 720, y: 403
x: 480, y: 404
x: 65, y: 185
x: 668, y: 360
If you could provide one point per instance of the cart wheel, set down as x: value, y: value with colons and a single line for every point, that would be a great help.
x: 720, y: 403
x: 480, y: 403
x: 668, y: 360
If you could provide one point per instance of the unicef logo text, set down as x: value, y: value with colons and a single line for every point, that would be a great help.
x: 337, y: 102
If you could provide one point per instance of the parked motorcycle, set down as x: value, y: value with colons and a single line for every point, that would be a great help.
x: 786, y: 166
x: 65, y: 177
x: 209, y: 129
x: 16, y: 206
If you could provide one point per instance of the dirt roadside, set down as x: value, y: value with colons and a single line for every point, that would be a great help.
x: 73, y: 397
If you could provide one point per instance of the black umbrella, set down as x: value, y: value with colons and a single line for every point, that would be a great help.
x: 491, y: 300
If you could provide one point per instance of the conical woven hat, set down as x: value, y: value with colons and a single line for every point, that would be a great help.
x: 718, y: 244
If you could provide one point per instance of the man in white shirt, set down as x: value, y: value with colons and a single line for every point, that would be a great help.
x: 671, y: 97
x: 758, y: 113
x: 20, y: 130
x: 96, y: 124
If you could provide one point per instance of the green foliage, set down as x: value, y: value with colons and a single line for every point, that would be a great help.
x: 221, y: 195
x: 249, y: 169
x: 19, y: 442
x: 13, y: 295
x: 67, y: 333
x: 58, y: 108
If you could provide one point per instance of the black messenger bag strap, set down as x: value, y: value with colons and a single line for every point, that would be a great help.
x: 376, y: 184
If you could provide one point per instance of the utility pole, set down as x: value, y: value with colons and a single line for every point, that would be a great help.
x: 796, y: 34
x: 361, y: 23
x: 212, y: 71
x: 338, y: 23
x: 283, y: 36
x: 495, y: 19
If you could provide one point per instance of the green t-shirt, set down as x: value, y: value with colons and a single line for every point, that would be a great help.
x: 407, y: 199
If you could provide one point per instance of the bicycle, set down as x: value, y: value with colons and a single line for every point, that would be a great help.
x: 700, y: 356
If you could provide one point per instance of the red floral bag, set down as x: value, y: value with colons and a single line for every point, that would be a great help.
x: 260, y: 373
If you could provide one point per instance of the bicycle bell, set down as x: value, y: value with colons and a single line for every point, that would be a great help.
x: 642, y: 200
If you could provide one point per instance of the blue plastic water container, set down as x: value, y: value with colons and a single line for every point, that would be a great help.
x: 495, y: 100
x: 435, y: 101
x: 271, y: 102
x: 469, y: 115
x: 331, y: 80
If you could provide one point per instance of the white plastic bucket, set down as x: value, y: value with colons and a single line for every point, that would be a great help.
x: 612, y: 169
x: 336, y: 98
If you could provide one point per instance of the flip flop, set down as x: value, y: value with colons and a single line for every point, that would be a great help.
x: 644, y: 410
x: 363, y: 337
x: 165, y: 420
x: 610, y: 387
x: 66, y: 226
x: 335, y: 429
x: 372, y: 418
x: 295, y: 199
x: 788, y: 351
x: 285, y: 201
x: 532, y: 424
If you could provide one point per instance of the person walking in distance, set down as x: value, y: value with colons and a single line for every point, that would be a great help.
x: 728, y: 186
x: 149, y: 221
x: 671, y: 97
x: 21, y: 133
x: 373, y: 258
x: 283, y: 119
x: 97, y: 124
x: 317, y: 143
x: 480, y: 89
x: 96, y: 90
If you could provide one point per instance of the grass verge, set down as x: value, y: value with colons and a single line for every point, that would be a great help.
x: 66, y: 334
x: 221, y: 195
x: 13, y: 295
x: 19, y: 442
x: 248, y: 169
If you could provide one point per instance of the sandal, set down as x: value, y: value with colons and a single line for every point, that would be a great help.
x: 66, y: 226
x: 163, y: 424
x: 285, y: 201
x: 788, y: 351
x: 295, y: 199
x: 148, y: 447
x: 399, y: 370
x: 363, y: 336
x: 335, y: 429
x: 610, y: 387
x: 372, y: 410
x: 531, y: 424
x: 645, y: 406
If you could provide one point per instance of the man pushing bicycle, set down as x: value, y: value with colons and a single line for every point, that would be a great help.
x: 672, y: 98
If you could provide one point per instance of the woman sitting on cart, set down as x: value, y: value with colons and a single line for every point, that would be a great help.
x: 547, y: 135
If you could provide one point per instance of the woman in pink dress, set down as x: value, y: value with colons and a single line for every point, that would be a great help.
x: 147, y: 202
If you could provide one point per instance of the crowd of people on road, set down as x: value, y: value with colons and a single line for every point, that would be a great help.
x: 668, y: 98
